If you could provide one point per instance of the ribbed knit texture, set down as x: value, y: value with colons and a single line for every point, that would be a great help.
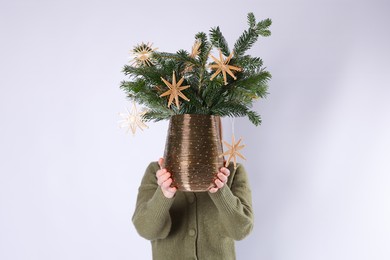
x: 199, y: 225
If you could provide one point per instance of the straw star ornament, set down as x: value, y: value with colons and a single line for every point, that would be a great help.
x: 143, y: 54
x: 132, y: 119
x: 233, y: 152
x: 195, y: 49
x: 194, y: 53
x: 222, y: 66
x: 174, y: 91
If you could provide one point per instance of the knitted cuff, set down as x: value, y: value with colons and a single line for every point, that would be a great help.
x: 224, y: 199
x: 159, y: 203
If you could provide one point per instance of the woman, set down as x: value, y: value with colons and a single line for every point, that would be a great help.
x: 194, y: 225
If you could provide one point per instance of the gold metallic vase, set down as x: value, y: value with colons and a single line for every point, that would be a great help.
x: 192, y: 151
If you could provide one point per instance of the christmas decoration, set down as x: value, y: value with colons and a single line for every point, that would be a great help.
x: 142, y: 54
x: 194, y: 53
x: 132, y: 120
x: 213, y: 87
x: 195, y: 49
x: 174, y: 90
x: 209, y: 92
x: 233, y: 151
x: 222, y: 66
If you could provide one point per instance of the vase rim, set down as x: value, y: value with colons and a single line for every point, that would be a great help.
x: 199, y: 115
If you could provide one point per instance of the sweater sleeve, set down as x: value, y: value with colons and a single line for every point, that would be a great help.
x: 235, y: 205
x: 151, y: 216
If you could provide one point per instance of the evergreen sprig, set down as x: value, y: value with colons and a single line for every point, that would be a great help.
x: 212, y: 97
x: 250, y: 36
x: 218, y: 40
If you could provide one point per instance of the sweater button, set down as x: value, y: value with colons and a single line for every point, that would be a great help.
x: 192, y: 232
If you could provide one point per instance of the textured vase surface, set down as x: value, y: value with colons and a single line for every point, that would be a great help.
x: 192, y: 151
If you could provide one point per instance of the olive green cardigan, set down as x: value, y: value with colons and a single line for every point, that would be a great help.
x: 191, y: 225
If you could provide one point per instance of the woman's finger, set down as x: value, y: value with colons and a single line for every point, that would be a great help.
x: 172, y: 189
x: 165, y: 184
x: 160, y: 172
x: 219, y: 183
x: 225, y: 171
x: 163, y: 178
x: 213, y: 190
x: 161, y: 162
x: 166, y: 188
x: 222, y: 177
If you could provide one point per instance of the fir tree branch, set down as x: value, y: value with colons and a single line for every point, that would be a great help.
x: 262, y: 27
x: 230, y: 109
x: 206, y: 97
x: 156, y: 115
x: 254, y: 117
x: 251, y: 20
x: 180, y: 56
x: 219, y: 41
x: 245, y: 41
x: 252, y: 81
x: 249, y: 64
x: 213, y: 93
x: 204, y: 49
x: 250, y: 36
x: 150, y: 74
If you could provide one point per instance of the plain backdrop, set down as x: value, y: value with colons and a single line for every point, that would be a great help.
x: 319, y: 165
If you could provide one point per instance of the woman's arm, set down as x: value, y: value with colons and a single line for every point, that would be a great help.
x: 151, y: 217
x: 235, y: 205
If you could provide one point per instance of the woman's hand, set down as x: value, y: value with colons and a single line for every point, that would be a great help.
x: 164, y: 180
x: 220, y: 180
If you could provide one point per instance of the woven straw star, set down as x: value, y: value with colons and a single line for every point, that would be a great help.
x: 233, y: 152
x: 143, y: 54
x: 132, y: 119
x: 195, y: 49
x: 175, y: 90
x: 222, y: 66
x: 194, y: 53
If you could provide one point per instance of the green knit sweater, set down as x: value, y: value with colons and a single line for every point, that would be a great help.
x: 191, y: 225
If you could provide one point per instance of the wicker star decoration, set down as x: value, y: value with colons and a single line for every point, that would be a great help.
x: 142, y: 54
x: 195, y: 49
x: 175, y: 90
x: 233, y: 152
x: 132, y: 119
x: 223, y: 66
x: 194, y: 52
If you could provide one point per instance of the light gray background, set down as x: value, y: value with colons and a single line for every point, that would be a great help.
x: 319, y: 165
